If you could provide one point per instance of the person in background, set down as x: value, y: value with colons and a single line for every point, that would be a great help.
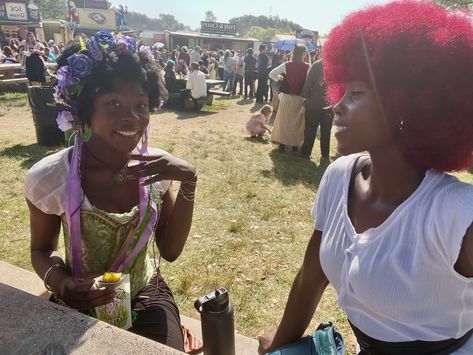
x: 203, y: 68
x: 316, y: 113
x: 256, y: 125
x: 239, y: 70
x: 213, y: 67
x: 196, y: 86
x: 393, y: 231
x: 274, y: 86
x: 221, y: 69
x: 229, y: 74
x: 9, y: 58
x: 263, y: 64
x: 170, y: 79
x: 34, y: 52
x: 174, y: 56
x: 14, y: 44
x: 288, y: 129
x: 194, y: 55
x: 182, y: 68
x: 49, y: 56
x: 185, y: 55
x: 249, y: 69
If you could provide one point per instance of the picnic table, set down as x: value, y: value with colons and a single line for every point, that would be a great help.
x: 211, y: 83
x: 14, y: 73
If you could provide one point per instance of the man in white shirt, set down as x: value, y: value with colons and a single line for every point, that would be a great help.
x: 195, y: 55
x: 196, y: 85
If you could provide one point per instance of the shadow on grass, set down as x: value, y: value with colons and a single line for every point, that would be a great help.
x: 291, y: 169
x: 184, y: 115
x: 245, y: 102
x: 28, y: 154
x: 257, y: 140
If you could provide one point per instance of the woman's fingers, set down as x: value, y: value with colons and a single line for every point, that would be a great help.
x: 100, y: 297
x: 152, y: 180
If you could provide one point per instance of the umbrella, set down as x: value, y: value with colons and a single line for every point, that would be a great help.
x: 289, y: 44
x: 159, y: 45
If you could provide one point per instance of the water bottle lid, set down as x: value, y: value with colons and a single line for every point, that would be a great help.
x: 215, y: 301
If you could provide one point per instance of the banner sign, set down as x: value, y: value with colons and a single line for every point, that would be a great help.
x: 18, y: 11
x: 96, y: 4
x: 97, y: 18
x: 218, y: 28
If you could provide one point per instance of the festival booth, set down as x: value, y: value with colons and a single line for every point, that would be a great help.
x: 212, y: 36
x: 90, y: 16
x: 17, y: 17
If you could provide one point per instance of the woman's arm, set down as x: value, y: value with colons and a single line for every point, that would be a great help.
x: 306, y: 292
x: 74, y: 291
x: 276, y: 73
x: 464, y: 264
x: 174, y: 223
x: 176, y: 213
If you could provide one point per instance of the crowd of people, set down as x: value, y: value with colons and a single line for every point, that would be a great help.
x: 16, y: 51
x: 393, y: 231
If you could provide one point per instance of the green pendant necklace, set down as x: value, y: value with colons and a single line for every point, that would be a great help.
x: 119, y: 177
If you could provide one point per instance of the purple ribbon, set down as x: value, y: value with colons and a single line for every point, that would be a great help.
x: 74, y: 196
x: 73, y: 202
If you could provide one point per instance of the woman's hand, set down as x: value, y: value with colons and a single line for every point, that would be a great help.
x: 77, y: 292
x: 160, y: 167
x: 265, y: 341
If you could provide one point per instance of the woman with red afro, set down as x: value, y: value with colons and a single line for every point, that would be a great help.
x: 393, y: 231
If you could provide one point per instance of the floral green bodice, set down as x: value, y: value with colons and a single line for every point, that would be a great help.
x: 102, y: 236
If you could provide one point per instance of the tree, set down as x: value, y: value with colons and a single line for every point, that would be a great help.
x: 265, y: 33
x: 210, y: 16
x: 456, y: 4
x: 244, y: 24
x: 139, y: 21
x: 51, y: 9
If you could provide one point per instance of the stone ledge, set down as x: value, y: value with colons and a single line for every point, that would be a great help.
x: 29, y: 282
x: 31, y: 325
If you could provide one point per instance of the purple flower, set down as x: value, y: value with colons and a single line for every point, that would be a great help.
x: 66, y: 78
x: 105, y: 38
x: 148, y: 51
x: 94, y: 49
x: 80, y: 64
x: 132, y: 45
x: 64, y: 120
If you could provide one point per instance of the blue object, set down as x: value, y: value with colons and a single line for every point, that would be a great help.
x: 324, y: 341
x: 289, y: 44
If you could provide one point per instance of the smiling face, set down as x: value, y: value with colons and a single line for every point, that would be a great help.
x: 359, y: 124
x: 120, y: 117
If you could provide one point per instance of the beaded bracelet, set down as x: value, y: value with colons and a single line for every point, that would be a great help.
x: 48, y: 273
x: 188, y: 195
x: 192, y: 181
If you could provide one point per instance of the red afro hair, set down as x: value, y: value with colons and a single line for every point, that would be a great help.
x: 422, y: 60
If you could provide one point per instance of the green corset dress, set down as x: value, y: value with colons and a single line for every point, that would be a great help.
x: 102, y: 236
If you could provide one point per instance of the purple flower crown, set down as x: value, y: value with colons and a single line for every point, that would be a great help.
x: 102, y: 47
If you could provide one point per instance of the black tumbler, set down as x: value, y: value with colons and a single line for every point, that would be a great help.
x: 216, y: 313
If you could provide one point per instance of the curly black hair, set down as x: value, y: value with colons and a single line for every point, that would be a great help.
x: 127, y: 68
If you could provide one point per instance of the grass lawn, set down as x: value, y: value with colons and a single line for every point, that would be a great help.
x: 251, y: 222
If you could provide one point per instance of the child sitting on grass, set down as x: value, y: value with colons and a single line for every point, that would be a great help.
x: 256, y: 125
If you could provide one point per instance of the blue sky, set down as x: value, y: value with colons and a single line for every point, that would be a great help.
x: 315, y: 15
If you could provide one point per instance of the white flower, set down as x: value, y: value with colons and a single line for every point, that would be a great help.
x: 58, y: 99
x: 64, y: 120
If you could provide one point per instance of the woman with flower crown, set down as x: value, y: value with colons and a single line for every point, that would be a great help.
x: 110, y: 192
